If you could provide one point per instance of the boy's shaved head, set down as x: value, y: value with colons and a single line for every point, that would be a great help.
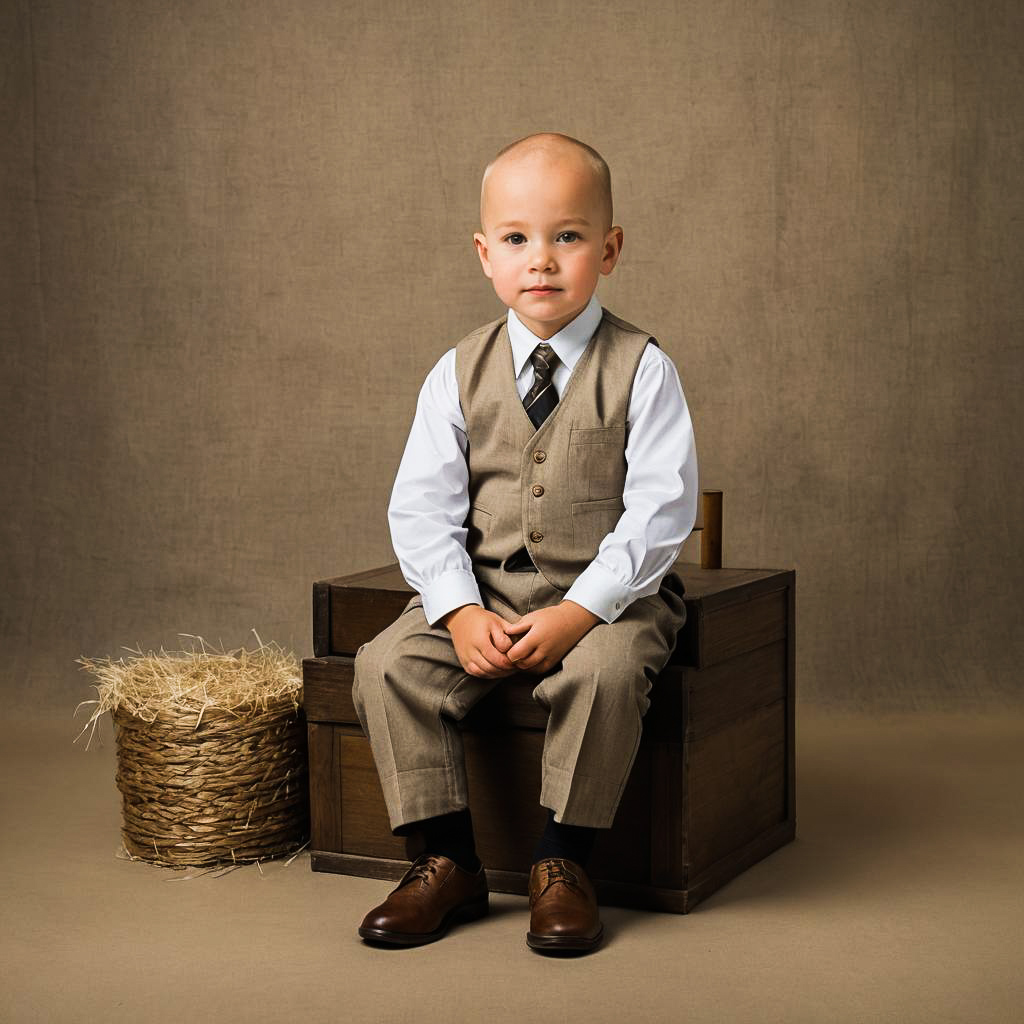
x: 546, y: 235
x: 554, y: 146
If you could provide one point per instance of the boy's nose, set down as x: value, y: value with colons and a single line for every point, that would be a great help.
x: 542, y: 257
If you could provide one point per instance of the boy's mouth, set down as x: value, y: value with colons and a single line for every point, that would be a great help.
x: 542, y: 289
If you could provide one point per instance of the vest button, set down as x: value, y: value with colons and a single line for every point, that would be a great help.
x: 538, y: 490
x: 536, y: 536
x: 539, y: 456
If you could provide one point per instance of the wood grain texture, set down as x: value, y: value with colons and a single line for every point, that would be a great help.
x: 365, y: 826
x: 325, y: 788
x: 669, y: 815
x: 728, y: 690
x: 363, y: 605
x: 736, y: 779
x: 711, y: 532
x: 321, y: 619
x: 743, y: 625
x: 357, y: 616
x: 327, y: 690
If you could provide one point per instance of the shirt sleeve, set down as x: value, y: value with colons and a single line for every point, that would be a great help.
x: 430, y: 498
x: 659, y: 495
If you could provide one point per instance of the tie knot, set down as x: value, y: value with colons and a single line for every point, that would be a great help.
x: 543, y: 358
x: 541, y: 399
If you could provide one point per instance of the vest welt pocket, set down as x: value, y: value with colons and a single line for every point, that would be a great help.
x: 598, y: 435
x: 592, y: 521
x: 597, y: 460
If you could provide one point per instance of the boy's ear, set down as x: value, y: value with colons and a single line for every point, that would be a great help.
x: 612, y: 249
x: 480, y: 241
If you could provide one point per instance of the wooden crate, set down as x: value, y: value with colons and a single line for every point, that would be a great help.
x: 712, y: 790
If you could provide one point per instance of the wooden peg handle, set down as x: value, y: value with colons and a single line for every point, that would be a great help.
x: 711, y: 534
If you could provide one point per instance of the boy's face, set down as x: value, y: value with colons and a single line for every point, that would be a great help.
x: 545, y: 242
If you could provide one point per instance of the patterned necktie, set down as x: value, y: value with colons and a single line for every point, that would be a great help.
x: 541, y: 399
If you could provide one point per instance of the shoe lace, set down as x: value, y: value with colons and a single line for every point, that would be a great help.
x: 424, y: 866
x: 552, y: 871
x: 558, y: 872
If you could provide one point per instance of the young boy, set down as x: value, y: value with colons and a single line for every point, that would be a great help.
x: 547, y: 486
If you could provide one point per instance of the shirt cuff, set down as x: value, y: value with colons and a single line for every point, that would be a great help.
x: 600, y: 592
x: 450, y: 590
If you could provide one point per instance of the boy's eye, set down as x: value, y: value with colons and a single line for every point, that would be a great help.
x: 515, y: 238
x: 568, y: 236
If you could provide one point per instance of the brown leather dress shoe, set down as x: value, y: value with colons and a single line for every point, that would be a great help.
x: 563, y: 908
x: 433, y: 894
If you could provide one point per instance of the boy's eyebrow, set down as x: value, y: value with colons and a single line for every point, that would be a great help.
x: 518, y: 223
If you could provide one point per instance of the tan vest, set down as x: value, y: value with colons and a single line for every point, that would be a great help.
x: 558, y: 490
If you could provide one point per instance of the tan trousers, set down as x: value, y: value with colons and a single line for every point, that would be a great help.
x: 410, y: 691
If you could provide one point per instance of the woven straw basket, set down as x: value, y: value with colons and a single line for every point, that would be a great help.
x: 209, y: 784
x: 232, y: 790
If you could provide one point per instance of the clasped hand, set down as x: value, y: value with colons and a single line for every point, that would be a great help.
x: 490, y: 647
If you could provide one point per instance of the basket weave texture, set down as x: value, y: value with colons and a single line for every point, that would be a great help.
x: 211, y: 753
x: 232, y: 790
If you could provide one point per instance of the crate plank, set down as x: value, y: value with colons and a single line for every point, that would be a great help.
x: 327, y: 690
x: 362, y: 605
x: 731, y: 689
x: 737, y: 785
x: 745, y: 625
x: 668, y: 806
x: 324, y: 787
x: 364, y: 817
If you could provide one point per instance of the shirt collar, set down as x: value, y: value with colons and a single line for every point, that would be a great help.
x: 568, y: 343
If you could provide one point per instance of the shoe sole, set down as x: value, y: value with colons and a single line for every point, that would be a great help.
x: 563, y: 943
x: 457, y: 915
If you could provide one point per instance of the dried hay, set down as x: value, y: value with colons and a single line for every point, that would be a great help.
x: 211, y: 752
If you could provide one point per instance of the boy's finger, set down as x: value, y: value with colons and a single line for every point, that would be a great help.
x: 522, y: 626
x: 520, y: 651
x: 491, y: 661
x: 500, y: 640
x: 497, y: 657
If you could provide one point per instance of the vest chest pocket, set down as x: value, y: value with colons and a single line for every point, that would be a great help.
x: 597, y: 462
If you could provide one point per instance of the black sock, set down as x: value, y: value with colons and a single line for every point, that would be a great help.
x: 572, y: 842
x: 451, y: 835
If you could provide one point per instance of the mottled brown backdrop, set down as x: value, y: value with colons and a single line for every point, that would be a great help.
x: 235, y: 237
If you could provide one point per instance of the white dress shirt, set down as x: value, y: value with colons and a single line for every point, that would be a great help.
x: 430, y: 498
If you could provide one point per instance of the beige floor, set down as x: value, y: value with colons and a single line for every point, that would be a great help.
x: 901, y: 900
